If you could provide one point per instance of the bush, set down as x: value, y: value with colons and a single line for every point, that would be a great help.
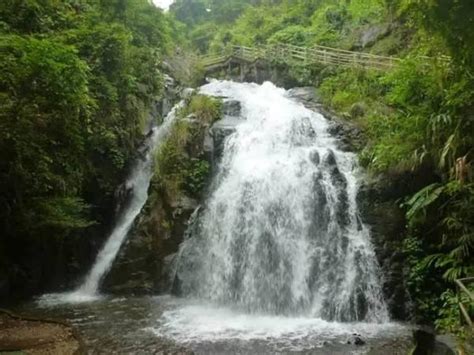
x: 179, y: 166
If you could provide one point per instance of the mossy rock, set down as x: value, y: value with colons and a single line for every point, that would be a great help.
x: 357, y: 110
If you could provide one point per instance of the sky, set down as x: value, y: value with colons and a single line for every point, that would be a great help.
x: 163, y: 3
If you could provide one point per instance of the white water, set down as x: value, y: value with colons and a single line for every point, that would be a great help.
x: 137, y: 184
x: 279, y: 246
x: 198, y: 325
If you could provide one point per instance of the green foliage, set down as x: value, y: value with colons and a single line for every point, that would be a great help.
x: 196, y: 176
x: 77, y: 79
x: 61, y: 213
x: 171, y: 159
x: 206, y: 108
x: 416, y: 115
x: 440, y: 250
x: 421, y: 280
x: 420, y: 201
x: 453, y: 231
x: 299, y: 22
x: 296, y: 35
x: 451, y: 20
x: 179, y: 164
x: 44, y: 120
x: 448, y: 315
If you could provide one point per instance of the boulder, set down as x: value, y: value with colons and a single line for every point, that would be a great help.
x: 219, y: 132
x: 231, y: 108
x: 379, y: 204
x: 357, y: 110
x: 306, y: 94
x: 371, y: 34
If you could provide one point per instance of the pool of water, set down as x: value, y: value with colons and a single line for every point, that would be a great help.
x: 166, y: 324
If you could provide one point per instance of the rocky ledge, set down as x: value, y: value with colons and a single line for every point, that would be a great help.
x: 34, y: 336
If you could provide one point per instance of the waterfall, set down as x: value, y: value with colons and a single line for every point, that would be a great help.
x: 280, y: 232
x: 137, y: 185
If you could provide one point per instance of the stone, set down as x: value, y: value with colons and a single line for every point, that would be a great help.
x: 183, y: 205
x: 187, y: 93
x: 231, y: 108
x: 356, y: 339
x: 371, y: 34
x: 378, y: 200
x: 424, y: 339
x: 306, y: 94
x: 314, y: 157
x: 446, y: 344
x: 357, y: 110
x: 220, y: 131
x: 330, y: 159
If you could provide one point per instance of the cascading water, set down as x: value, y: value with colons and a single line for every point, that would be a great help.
x: 276, y: 261
x: 280, y: 232
x: 137, y: 186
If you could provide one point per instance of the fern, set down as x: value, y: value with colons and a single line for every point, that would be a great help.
x: 422, y: 199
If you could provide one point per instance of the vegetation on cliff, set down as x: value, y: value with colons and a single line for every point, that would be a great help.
x: 418, y: 115
x: 180, y: 167
x: 77, y: 80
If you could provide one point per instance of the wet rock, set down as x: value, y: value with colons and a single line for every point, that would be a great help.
x: 220, y: 131
x: 357, y: 110
x: 141, y: 264
x: 304, y: 94
x: 348, y: 134
x: 330, y: 159
x: 171, y: 94
x: 123, y: 195
x: 184, y: 205
x: 373, y: 33
x: 356, y: 339
x: 378, y: 201
x: 446, y: 344
x: 187, y: 93
x: 424, y: 339
x: 314, y: 157
x: 21, y: 335
x: 231, y: 108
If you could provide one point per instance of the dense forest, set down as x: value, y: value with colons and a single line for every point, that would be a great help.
x: 417, y: 117
x: 79, y: 78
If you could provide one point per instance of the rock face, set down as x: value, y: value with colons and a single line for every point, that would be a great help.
x: 21, y: 335
x: 220, y: 130
x: 371, y: 34
x: 349, y: 135
x: 142, y: 265
x: 379, y: 201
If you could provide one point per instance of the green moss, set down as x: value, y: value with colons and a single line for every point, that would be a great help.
x: 206, y: 109
x: 180, y: 167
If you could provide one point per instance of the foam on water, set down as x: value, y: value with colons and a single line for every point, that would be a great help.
x: 193, y: 322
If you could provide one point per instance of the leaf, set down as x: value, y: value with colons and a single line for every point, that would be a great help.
x: 422, y: 199
x: 448, y: 147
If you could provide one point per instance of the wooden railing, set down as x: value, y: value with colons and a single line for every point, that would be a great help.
x: 300, y: 55
x: 464, y: 309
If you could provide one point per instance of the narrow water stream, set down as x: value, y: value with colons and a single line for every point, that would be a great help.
x: 137, y: 185
x: 277, y: 260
